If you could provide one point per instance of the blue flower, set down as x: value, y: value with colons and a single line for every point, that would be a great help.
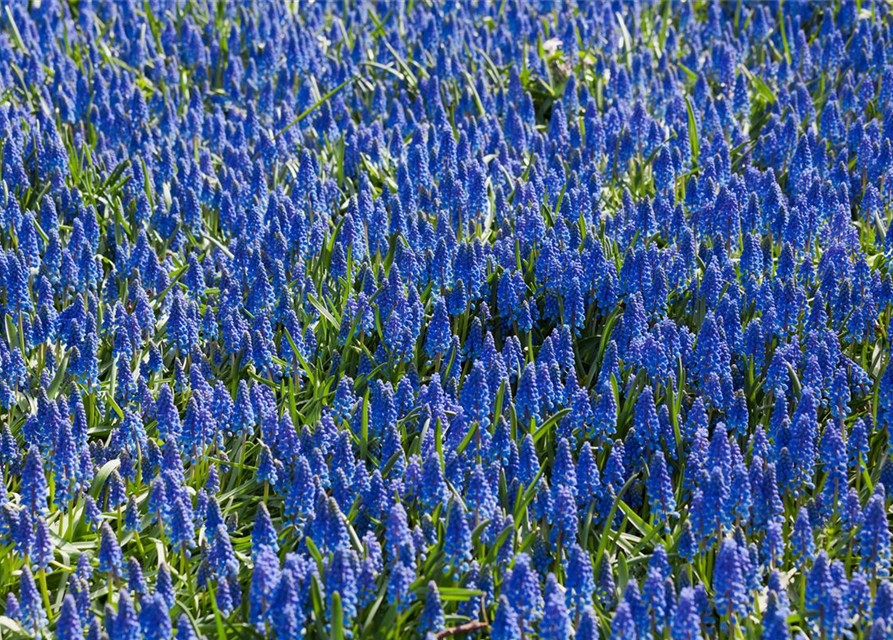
x: 623, y: 625
x: 399, y: 584
x: 439, y: 334
x: 802, y: 542
x: 341, y: 578
x: 527, y: 399
x: 68, y: 626
x: 874, y: 537
x: 505, y: 624
x: 42, y: 549
x: 182, y: 528
x: 32, y: 615
x: 34, y: 485
x: 660, y: 490
x: 264, y: 533
x: 475, y: 396
x: 111, y: 559
x: 184, y: 628
x: 522, y: 588
x: 432, y: 619
x: 221, y: 555
x: 728, y: 582
x: 580, y: 581
x: 154, y: 619
x: 126, y: 624
x: 555, y: 624
x: 457, y: 542
x: 686, y: 623
x: 775, y: 619
x: 135, y: 580
x: 264, y: 579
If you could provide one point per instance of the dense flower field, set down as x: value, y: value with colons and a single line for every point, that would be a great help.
x: 399, y: 319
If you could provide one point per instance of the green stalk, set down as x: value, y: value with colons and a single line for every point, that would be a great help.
x: 42, y: 577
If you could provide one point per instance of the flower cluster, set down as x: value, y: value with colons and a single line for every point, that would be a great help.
x: 414, y: 319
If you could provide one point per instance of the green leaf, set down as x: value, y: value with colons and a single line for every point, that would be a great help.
x: 218, y: 618
x: 784, y: 35
x: 627, y: 39
x: 691, y: 74
x: 316, y: 105
x: 499, y: 400
x: 58, y: 378
x: 324, y: 312
x: 456, y: 594
x: 314, y: 551
x: 337, y: 618
x: 491, y: 554
x: 379, y: 599
x: 474, y: 429
x: 606, y: 533
x: 528, y: 495
x: 692, y: 129
x: 16, y: 36
x: 364, y: 435
x: 548, y: 424
x: 307, y: 369
x: 664, y: 22
x: 102, y: 475
x: 759, y: 85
